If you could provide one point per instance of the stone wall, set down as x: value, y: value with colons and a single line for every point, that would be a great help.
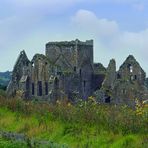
x: 68, y: 71
x: 20, y: 72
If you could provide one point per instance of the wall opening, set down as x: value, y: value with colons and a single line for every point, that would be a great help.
x: 135, y: 77
x: 118, y: 76
x: 56, y: 81
x: 75, y: 68
x: 124, y: 91
x: 32, y: 88
x: 130, y: 68
x: 107, y: 99
x: 32, y: 64
x: 27, y: 63
x: 39, y: 88
x: 46, y: 88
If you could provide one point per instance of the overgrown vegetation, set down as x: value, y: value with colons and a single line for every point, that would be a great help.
x: 86, y: 124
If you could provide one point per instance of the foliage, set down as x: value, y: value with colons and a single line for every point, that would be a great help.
x: 86, y: 124
x: 11, y: 144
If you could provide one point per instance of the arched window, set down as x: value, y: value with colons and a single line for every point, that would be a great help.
x: 32, y: 64
x: 39, y: 88
x: 130, y: 68
x: 75, y: 68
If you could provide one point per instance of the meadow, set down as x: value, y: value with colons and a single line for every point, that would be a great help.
x: 84, y: 125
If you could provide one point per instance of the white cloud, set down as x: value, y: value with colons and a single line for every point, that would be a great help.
x: 88, y: 20
x: 110, y: 38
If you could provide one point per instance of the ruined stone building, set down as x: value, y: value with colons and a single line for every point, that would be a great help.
x: 124, y: 86
x: 67, y: 70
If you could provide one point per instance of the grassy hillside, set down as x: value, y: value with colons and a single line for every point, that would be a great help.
x: 87, y: 125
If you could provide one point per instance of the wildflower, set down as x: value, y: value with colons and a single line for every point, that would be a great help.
x: 139, y: 109
x: 69, y: 104
x: 91, y: 98
x: 58, y: 102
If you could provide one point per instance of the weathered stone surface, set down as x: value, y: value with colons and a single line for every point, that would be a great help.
x: 130, y: 70
x: 110, y: 77
x: 130, y: 83
x: 125, y: 85
x: 20, y: 72
x: 105, y: 93
x: 68, y: 71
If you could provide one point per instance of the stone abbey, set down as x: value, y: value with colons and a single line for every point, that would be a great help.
x: 67, y: 70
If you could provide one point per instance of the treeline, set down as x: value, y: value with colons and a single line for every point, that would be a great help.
x: 3, y: 87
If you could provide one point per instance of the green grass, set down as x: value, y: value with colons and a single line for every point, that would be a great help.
x: 11, y: 144
x: 85, y: 125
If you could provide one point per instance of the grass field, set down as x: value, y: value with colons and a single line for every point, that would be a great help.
x: 87, y: 125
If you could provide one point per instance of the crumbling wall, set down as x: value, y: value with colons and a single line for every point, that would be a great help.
x: 130, y: 83
x: 20, y: 72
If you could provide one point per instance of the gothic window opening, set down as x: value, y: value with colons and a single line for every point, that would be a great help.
x: 135, y: 77
x: 56, y: 83
x: 46, y: 88
x: 32, y: 88
x: 39, y: 88
x: 32, y: 64
x: 75, y: 68
x: 130, y: 68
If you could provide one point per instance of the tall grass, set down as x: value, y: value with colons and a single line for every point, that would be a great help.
x: 86, y: 124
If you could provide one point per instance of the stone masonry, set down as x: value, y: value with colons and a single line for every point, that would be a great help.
x: 67, y: 70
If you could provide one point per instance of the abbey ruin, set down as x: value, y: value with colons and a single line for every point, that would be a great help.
x: 67, y: 70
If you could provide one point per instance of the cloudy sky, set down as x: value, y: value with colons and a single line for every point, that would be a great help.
x: 118, y: 27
